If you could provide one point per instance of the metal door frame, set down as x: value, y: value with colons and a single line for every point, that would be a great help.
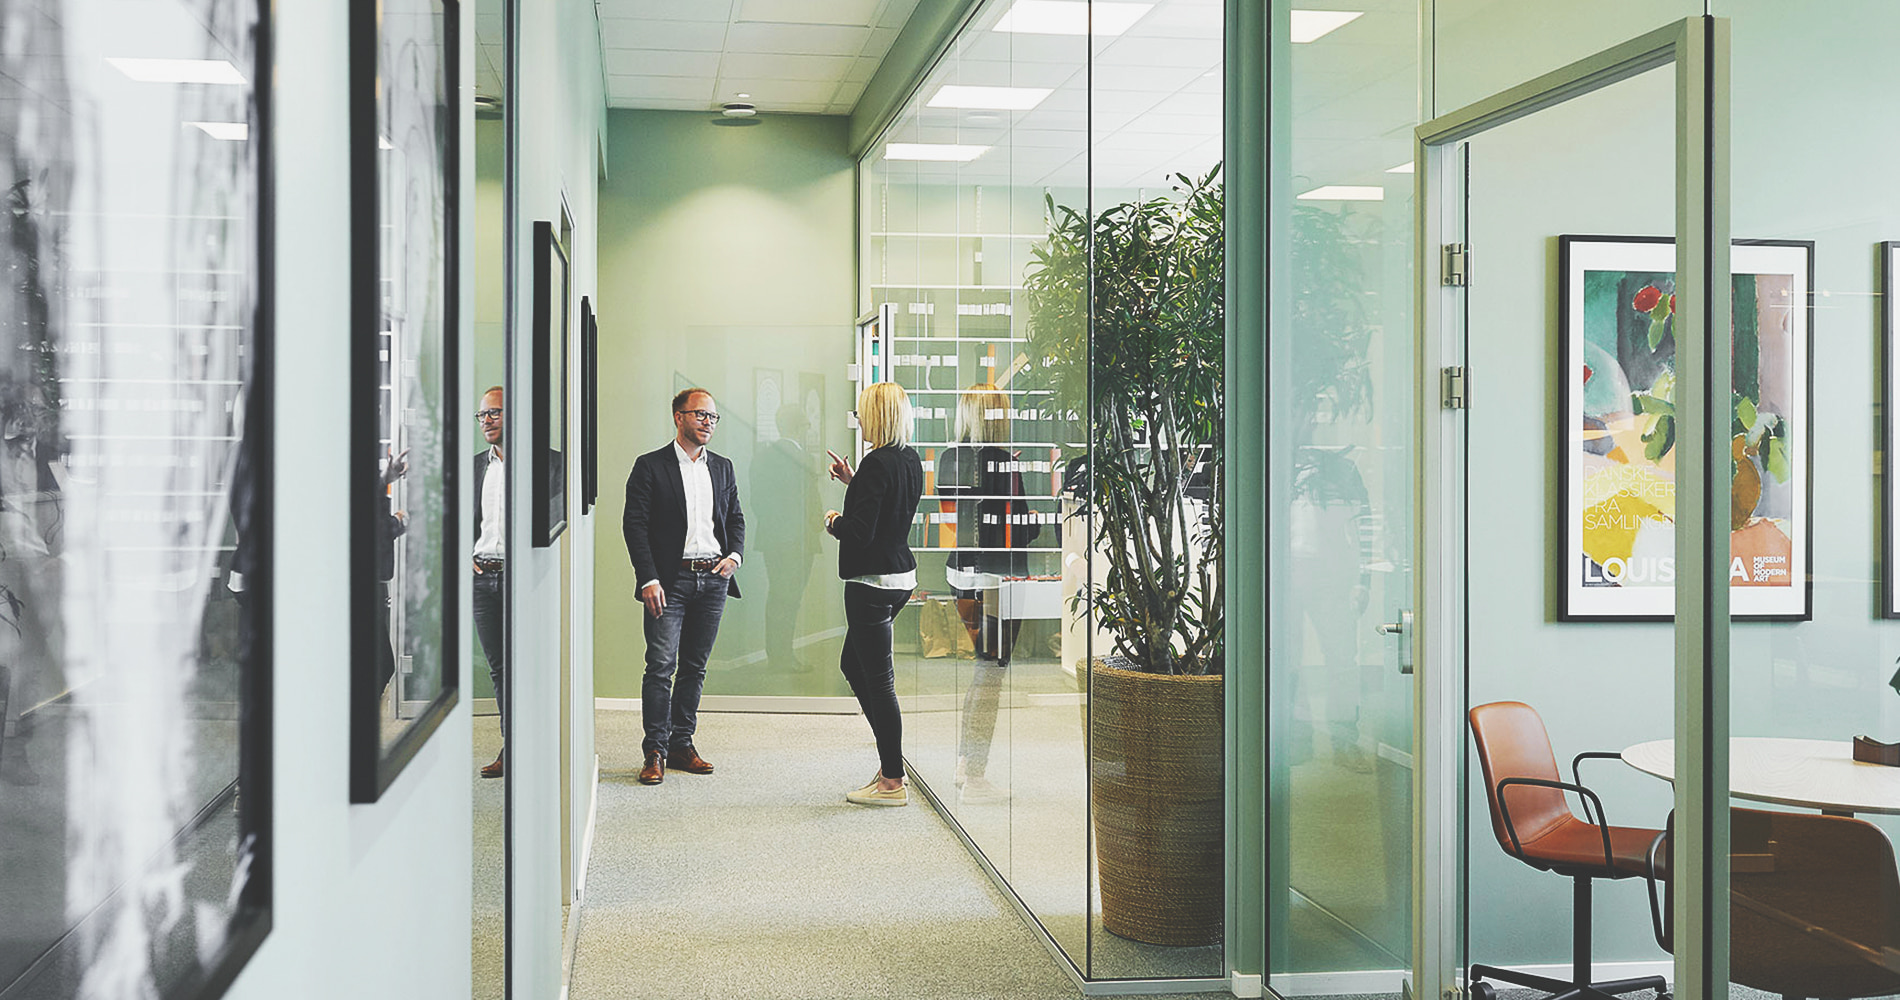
x: 1698, y: 47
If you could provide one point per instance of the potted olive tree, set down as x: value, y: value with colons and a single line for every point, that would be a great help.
x: 1143, y: 382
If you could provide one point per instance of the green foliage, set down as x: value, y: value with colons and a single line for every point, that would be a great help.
x: 1144, y: 382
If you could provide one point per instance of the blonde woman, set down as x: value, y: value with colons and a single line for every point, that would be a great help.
x: 879, y: 572
x: 978, y: 479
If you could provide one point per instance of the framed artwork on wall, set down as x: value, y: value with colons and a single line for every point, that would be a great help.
x: 1890, y: 418
x: 136, y: 567
x: 549, y: 388
x: 590, y: 406
x: 406, y: 564
x: 1617, y: 472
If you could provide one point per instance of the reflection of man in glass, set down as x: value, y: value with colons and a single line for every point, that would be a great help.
x: 491, y: 548
x: 983, y: 482
x: 787, y: 475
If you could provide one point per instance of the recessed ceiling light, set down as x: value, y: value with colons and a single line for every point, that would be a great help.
x: 1311, y: 24
x: 1067, y: 17
x: 990, y: 98
x: 178, y: 70
x: 946, y: 151
x: 1344, y: 192
x: 1403, y: 168
x: 223, y: 131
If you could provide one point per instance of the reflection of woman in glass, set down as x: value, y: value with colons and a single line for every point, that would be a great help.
x: 879, y: 571
x: 983, y: 482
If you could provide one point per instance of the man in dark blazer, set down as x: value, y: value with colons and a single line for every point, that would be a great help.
x: 685, y: 534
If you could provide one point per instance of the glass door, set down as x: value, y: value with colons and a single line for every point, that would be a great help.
x: 1554, y: 380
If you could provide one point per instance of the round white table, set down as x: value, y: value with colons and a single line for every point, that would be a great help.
x: 1818, y: 774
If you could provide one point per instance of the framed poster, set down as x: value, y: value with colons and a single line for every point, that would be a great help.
x: 549, y: 388
x: 406, y: 565
x: 136, y: 470
x: 1617, y: 329
x: 590, y: 407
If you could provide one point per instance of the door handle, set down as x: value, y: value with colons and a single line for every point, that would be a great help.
x: 1403, y: 629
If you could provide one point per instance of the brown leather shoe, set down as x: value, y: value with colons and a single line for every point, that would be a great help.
x: 655, y: 770
x: 493, y: 770
x: 687, y: 759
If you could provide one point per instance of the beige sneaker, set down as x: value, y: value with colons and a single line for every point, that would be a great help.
x: 871, y: 795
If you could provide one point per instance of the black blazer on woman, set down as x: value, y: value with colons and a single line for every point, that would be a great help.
x: 873, y: 532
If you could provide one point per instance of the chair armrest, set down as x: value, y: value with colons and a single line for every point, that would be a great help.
x: 1578, y: 774
x: 1582, y: 792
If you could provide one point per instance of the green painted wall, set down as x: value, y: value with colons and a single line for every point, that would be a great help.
x: 725, y: 261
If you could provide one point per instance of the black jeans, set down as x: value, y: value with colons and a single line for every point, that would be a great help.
x: 490, y: 621
x: 678, y: 644
x: 866, y: 662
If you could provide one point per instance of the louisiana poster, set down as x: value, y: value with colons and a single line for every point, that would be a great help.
x: 1619, y: 440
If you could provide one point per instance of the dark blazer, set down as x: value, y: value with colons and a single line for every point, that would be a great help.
x: 982, y: 472
x: 654, y: 521
x: 873, y: 532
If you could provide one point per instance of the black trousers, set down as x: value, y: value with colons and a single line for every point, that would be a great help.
x: 490, y: 622
x: 866, y: 662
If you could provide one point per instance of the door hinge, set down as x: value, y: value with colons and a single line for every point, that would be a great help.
x: 1454, y: 993
x: 1455, y: 264
x: 1452, y: 382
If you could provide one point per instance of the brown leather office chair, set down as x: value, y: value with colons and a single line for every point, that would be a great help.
x: 1814, y: 904
x: 1534, y: 823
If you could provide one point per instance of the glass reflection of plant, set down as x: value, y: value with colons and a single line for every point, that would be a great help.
x: 1331, y: 330
x: 1758, y: 439
x: 1148, y: 375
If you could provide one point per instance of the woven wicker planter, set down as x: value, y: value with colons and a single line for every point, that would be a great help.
x: 1156, y: 759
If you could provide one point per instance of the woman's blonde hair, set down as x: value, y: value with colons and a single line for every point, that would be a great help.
x: 982, y: 414
x: 884, y: 414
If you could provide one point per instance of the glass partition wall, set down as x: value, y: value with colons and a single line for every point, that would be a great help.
x: 1050, y: 250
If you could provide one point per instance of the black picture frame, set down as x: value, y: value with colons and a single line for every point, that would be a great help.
x: 1654, y: 254
x: 1890, y: 430
x: 239, y: 473
x: 552, y: 284
x: 590, y: 406
x: 379, y: 295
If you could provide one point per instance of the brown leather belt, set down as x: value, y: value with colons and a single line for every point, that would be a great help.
x: 699, y: 565
x: 489, y: 565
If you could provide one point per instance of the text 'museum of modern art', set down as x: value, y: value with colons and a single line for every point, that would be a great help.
x: 1619, y: 418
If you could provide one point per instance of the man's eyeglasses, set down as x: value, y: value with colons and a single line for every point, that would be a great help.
x: 706, y: 417
x: 483, y: 416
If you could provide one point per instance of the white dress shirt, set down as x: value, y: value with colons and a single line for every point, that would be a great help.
x: 490, y: 542
x: 701, y: 541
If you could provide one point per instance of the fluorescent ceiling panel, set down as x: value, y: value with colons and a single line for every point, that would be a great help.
x: 1311, y: 24
x: 1344, y: 192
x: 989, y: 98
x: 950, y: 152
x: 1068, y: 17
x: 223, y: 131
x: 1403, y: 168
x: 178, y: 70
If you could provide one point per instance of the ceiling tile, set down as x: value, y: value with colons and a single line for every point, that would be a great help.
x: 661, y: 62
x: 862, y: 70
x: 692, y: 36
x: 769, y: 94
x: 856, y: 12
x: 667, y: 10
x: 881, y: 41
x: 770, y: 65
x: 670, y: 87
x: 797, y: 39
x: 848, y: 93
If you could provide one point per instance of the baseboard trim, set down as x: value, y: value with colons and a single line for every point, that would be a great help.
x: 742, y: 703
x: 1245, y: 984
x: 1391, y: 982
x: 483, y: 706
x: 587, y: 836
